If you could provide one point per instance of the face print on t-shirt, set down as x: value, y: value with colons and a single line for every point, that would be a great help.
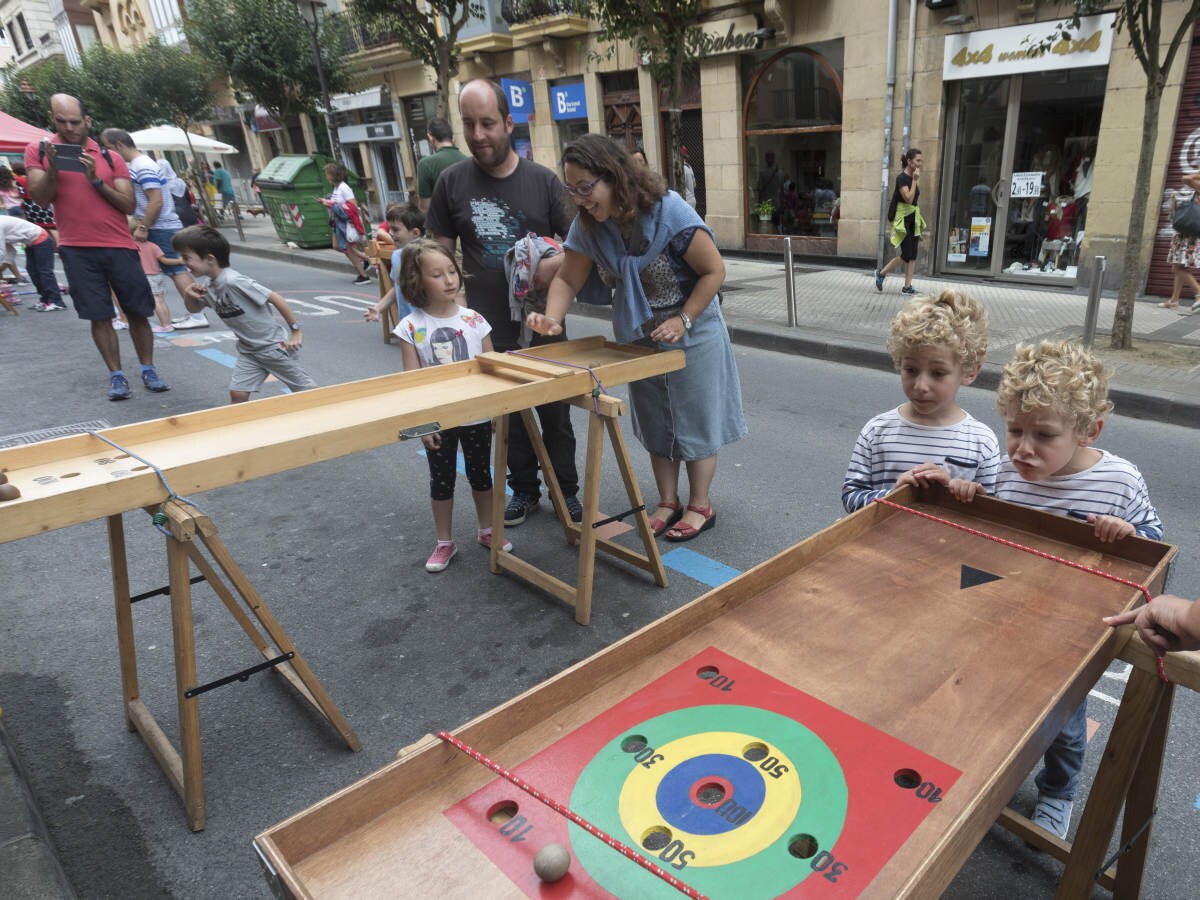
x: 496, y: 227
x: 448, y: 346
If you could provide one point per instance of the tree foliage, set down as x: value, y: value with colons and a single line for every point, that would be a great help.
x: 265, y: 48
x: 665, y: 33
x: 120, y: 89
x: 429, y: 31
x: 1142, y: 21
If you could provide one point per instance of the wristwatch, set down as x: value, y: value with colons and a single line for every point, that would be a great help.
x: 97, y: 183
x: 687, y: 320
x: 295, y: 326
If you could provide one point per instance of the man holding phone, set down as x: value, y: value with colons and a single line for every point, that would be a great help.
x: 92, y: 194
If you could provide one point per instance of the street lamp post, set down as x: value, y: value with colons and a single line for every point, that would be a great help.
x: 310, y: 13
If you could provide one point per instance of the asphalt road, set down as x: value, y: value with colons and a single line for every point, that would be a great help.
x: 337, y: 551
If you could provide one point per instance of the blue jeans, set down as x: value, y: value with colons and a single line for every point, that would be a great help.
x: 1064, y: 758
x: 39, y: 261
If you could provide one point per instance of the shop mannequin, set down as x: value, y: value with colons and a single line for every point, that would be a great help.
x: 1060, y: 232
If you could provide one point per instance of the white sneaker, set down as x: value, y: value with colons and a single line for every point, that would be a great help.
x: 118, y: 325
x: 189, y: 322
x: 1053, y: 815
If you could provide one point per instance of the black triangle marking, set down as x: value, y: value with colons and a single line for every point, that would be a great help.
x: 972, y: 577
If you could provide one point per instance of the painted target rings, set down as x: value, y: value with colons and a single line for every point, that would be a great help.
x: 715, y: 794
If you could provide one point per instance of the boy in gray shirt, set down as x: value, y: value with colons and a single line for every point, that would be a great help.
x: 265, y: 345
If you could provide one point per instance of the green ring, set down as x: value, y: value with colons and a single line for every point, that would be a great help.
x: 768, y: 873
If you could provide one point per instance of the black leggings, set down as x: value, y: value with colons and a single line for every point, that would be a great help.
x: 476, y: 443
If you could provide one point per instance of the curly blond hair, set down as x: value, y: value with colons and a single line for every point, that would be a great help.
x: 952, y: 319
x: 1062, y: 376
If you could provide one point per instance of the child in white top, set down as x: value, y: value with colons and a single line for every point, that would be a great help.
x: 438, y: 332
x: 1054, y: 397
x: 938, y: 344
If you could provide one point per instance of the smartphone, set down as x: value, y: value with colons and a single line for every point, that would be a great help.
x: 66, y: 157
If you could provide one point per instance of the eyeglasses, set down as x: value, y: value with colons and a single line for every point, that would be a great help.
x: 583, y: 190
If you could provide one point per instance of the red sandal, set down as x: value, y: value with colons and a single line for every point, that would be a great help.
x: 657, y: 525
x: 685, y: 532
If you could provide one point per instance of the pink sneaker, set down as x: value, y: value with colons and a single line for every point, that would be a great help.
x: 441, y: 556
x: 162, y: 329
x: 485, y: 540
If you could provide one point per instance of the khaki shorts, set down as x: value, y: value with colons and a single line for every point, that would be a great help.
x: 253, y: 367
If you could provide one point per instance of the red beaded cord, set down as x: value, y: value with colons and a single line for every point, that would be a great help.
x: 572, y: 816
x: 1162, y: 669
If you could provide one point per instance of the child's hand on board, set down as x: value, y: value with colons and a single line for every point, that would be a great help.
x: 1110, y: 528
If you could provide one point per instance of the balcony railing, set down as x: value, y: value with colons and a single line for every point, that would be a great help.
x: 521, y: 12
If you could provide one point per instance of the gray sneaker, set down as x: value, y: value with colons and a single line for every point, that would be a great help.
x: 908, y: 289
x: 574, y: 508
x: 1053, y: 815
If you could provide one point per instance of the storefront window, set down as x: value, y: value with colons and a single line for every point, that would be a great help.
x: 793, y: 116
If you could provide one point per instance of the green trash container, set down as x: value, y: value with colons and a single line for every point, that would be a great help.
x: 292, y: 186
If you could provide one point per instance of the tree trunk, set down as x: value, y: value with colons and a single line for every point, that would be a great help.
x: 675, y: 118
x: 1131, y: 276
x: 445, y: 73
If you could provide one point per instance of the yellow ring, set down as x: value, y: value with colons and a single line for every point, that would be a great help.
x: 639, y: 811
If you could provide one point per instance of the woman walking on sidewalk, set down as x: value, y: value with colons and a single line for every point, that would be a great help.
x: 348, y: 228
x: 1184, y: 254
x: 906, y: 223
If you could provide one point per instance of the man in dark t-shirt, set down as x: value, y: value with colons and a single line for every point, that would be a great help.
x: 487, y: 203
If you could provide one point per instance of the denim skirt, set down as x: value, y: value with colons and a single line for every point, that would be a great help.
x: 692, y: 413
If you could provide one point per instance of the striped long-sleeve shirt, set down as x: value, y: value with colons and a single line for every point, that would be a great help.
x: 1112, y: 487
x: 889, y: 445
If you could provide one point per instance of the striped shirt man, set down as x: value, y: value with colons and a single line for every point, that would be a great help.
x: 889, y: 445
x: 1112, y: 487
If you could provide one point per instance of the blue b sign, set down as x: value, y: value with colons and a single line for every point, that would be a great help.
x: 520, y: 99
x: 568, y: 101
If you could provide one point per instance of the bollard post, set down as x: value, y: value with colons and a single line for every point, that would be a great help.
x: 789, y: 285
x: 1099, y: 265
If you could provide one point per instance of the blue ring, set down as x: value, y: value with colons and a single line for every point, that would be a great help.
x: 673, y: 797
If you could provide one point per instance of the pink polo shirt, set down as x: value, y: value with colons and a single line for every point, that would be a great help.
x: 84, y: 218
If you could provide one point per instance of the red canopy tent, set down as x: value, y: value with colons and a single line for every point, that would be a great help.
x: 15, y: 134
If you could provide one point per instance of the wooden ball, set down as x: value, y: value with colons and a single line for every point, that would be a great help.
x: 552, y: 862
x: 9, y: 492
x: 3, y: 478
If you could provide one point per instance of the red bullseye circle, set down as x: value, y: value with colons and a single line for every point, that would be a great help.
x: 710, y: 781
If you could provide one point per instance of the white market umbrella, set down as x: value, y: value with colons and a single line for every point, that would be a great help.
x: 168, y: 137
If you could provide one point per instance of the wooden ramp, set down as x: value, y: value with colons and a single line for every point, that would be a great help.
x: 969, y: 653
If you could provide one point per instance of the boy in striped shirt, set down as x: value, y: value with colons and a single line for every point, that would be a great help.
x: 938, y: 344
x: 1054, y: 397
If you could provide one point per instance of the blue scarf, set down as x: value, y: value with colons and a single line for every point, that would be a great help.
x: 605, y: 247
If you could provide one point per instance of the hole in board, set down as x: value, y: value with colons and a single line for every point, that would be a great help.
x: 803, y: 846
x: 755, y: 752
x: 707, y: 673
x: 711, y: 794
x: 656, y: 838
x: 69, y: 475
x: 502, y: 812
x: 635, y: 743
x: 907, y: 778
x: 139, y: 469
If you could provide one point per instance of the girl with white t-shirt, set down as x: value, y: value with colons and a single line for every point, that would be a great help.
x: 438, y: 332
x: 336, y: 204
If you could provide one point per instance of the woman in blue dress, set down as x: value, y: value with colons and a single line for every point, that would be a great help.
x: 660, y: 258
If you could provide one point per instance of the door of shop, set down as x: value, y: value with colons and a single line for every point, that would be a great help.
x: 1017, y: 177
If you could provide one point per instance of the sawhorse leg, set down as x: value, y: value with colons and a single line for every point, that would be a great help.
x: 184, y: 767
x: 603, y: 412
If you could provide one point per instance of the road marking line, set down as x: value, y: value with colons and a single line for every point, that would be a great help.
x: 1100, y: 695
x: 699, y: 567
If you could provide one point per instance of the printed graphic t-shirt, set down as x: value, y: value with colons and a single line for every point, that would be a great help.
x: 241, y: 303
x: 441, y: 341
x: 487, y: 216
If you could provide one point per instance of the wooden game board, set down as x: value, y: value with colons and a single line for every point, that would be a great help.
x: 962, y: 656
x: 76, y: 479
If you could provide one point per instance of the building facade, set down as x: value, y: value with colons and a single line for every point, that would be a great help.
x: 34, y: 30
x: 1028, y: 155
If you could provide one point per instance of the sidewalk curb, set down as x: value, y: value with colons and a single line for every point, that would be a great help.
x: 29, y: 861
x: 1159, y: 406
